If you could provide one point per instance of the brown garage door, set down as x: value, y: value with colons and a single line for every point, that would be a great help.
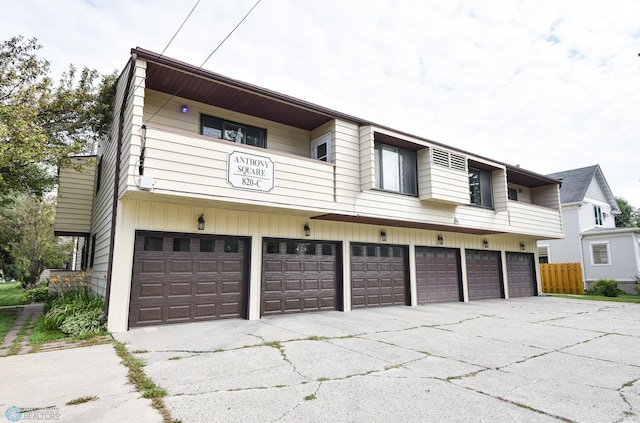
x: 299, y: 276
x: 187, y: 277
x: 438, y: 275
x: 483, y: 274
x: 379, y: 275
x: 520, y: 275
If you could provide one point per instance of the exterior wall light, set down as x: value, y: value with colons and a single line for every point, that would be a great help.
x: 201, y: 222
x: 440, y: 239
x: 307, y: 230
x: 383, y: 235
x: 184, y: 108
x: 522, y: 246
x: 485, y: 243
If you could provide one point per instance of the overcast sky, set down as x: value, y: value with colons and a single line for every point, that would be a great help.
x: 550, y: 86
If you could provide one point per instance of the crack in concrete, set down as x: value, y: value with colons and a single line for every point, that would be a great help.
x: 315, y: 394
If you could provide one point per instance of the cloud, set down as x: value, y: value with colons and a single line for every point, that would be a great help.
x: 551, y: 87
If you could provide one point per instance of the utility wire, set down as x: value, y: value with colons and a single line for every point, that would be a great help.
x: 171, y: 40
x: 205, y: 61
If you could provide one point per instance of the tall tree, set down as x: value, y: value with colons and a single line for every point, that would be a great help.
x: 630, y: 216
x: 41, y: 123
x: 34, y: 246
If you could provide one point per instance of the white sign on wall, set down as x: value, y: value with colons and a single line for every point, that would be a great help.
x: 250, y: 171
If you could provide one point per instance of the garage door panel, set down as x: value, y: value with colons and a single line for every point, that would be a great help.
x: 378, y: 275
x: 207, y: 266
x: 438, y: 275
x: 150, y: 290
x: 152, y: 266
x: 298, y: 276
x: 521, y: 275
x: 179, y: 286
x: 484, y: 274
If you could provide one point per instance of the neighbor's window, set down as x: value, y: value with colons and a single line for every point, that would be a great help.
x: 232, y: 131
x: 597, y: 211
x: 480, y: 191
x: 600, y: 253
x: 543, y: 254
x: 395, y: 169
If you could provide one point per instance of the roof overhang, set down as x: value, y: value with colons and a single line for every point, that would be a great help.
x: 404, y: 224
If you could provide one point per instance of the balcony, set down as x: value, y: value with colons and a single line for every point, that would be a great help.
x: 533, y: 219
x: 189, y: 165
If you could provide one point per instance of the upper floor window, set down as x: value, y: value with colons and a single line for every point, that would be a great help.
x: 513, y: 194
x: 232, y: 131
x: 597, y: 211
x: 321, y: 148
x: 395, y: 169
x: 480, y: 191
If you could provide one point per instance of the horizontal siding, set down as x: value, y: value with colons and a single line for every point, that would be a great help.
x: 438, y: 183
x: 500, y: 198
x: 75, y: 196
x: 279, y: 137
x: 367, y: 162
x: 535, y: 220
x: 184, y: 165
x: 546, y: 196
x: 524, y: 193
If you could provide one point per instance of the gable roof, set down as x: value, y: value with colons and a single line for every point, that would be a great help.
x: 575, y: 183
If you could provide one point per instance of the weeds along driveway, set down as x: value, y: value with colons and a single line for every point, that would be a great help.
x: 534, y: 359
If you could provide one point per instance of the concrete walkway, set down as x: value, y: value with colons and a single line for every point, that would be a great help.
x: 28, y: 314
x: 537, y: 359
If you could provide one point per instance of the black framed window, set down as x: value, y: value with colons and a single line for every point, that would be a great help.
x: 232, y: 131
x: 480, y: 188
x: 395, y: 169
x: 93, y: 250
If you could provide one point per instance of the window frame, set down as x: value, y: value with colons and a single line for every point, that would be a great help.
x: 404, y: 173
x: 224, y: 122
x: 608, y: 250
x: 487, y: 180
x: 325, y: 139
x: 597, y: 215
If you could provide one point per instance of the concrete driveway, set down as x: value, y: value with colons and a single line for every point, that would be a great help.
x: 539, y: 359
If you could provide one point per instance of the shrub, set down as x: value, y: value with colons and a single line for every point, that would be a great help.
x: 84, y: 324
x: 77, y: 312
x: 605, y: 287
x: 637, y: 279
x: 36, y: 295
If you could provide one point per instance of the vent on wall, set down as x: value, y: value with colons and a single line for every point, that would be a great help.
x: 447, y: 159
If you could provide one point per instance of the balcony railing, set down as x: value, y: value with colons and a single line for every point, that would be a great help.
x: 192, y: 165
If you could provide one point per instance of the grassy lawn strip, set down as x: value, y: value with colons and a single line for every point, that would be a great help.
x: 7, y: 319
x: 624, y: 298
x: 41, y: 334
x: 10, y: 294
x: 142, y: 382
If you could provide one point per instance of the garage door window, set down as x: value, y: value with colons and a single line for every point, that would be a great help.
x: 207, y: 245
x: 397, y: 252
x: 292, y: 248
x: 384, y: 251
x: 327, y: 250
x: 273, y: 247
x: 181, y: 244
x: 231, y: 246
x: 153, y: 243
x: 356, y: 250
x: 371, y: 251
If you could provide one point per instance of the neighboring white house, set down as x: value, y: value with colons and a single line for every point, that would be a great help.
x: 214, y: 198
x: 590, y: 234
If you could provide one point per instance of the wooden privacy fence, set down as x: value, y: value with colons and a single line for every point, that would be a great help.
x: 561, y: 278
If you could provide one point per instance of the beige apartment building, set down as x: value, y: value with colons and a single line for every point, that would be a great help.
x: 213, y: 198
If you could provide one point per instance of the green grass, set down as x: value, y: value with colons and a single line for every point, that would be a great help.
x: 7, y: 319
x: 10, y: 294
x: 41, y: 334
x: 624, y: 298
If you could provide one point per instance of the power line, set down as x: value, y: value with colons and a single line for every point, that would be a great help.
x: 183, y: 22
x: 171, y: 40
x: 205, y: 61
